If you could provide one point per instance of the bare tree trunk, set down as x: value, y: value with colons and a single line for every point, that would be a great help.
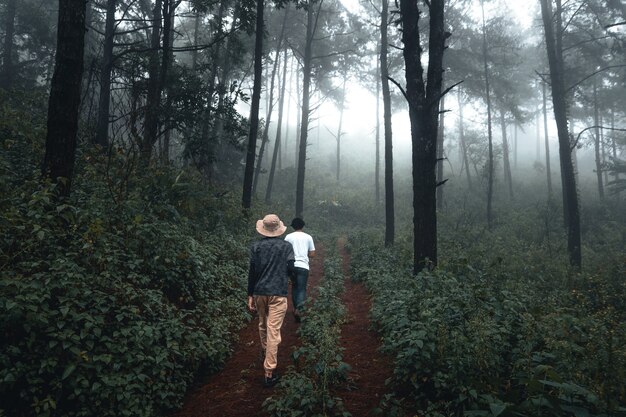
x: 462, y: 139
x: 196, y: 38
x: 298, y: 117
x: 6, y: 77
x: 554, y: 50
x: 377, y: 157
x: 168, y: 60
x: 304, y: 125
x: 545, y: 135
x: 270, y: 103
x: 603, y: 151
x: 64, y: 101
x: 538, y: 135
x: 423, y: 97
x: 288, y: 117
x: 384, y: 78
x: 440, y: 154
x: 339, y: 132
x: 505, y: 154
x: 489, y: 128
x: 102, y: 129
x: 596, y: 142
x: 153, y: 99
x: 277, y: 144
x: 613, y: 141
x: 254, y: 108
x: 209, y: 142
x: 515, y: 147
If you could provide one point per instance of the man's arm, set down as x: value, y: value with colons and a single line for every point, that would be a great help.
x: 311, y: 248
x: 252, y: 278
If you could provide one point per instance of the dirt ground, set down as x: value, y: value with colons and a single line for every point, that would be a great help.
x: 237, y: 390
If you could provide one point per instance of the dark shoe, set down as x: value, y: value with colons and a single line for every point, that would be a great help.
x: 271, y: 381
x: 297, y: 317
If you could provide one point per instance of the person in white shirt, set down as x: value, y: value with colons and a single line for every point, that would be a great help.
x: 303, y: 248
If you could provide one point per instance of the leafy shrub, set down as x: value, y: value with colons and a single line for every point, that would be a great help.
x: 111, y: 306
x: 483, y: 341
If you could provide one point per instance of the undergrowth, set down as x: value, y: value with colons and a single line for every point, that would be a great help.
x: 473, y: 338
x: 308, y: 387
x: 111, y: 301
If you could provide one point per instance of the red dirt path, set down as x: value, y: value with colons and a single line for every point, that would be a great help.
x: 370, y: 368
x: 237, y: 390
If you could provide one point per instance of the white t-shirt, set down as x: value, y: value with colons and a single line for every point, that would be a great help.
x: 302, y: 244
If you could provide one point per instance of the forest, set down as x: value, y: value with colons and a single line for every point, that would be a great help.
x: 461, y: 165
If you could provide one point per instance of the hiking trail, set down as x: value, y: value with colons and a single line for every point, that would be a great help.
x: 237, y: 391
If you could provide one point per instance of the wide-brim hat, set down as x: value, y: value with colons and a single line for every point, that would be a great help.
x: 270, y: 226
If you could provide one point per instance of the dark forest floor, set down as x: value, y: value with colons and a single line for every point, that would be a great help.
x: 237, y: 390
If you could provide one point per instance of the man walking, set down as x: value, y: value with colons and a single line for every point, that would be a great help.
x: 303, y: 248
x: 271, y: 264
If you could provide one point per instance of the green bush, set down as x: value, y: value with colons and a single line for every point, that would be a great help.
x: 482, y: 340
x: 111, y: 306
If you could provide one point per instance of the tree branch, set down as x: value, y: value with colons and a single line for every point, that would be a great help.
x: 592, y: 74
x: 593, y: 127
x: 615, y: 24
x: 447, y: 90
x: 401, y: 89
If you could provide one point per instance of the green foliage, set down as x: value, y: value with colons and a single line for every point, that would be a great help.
x: 478, y: 337
x: 307, y: 390
x: 112, y: 301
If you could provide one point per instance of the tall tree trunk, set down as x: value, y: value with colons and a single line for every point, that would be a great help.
x: 462, y: 139
x: 604, y: 152
x: 546, y: 139
x: 298, y: 117
x: 207, y: 140
x: 515, y: 147
x: 6, y: 76
x: 254, y: 108
x: 377, y: 153
x: 277, y: 145
x: 168, y: 61
x: 423, y: 97
x: 284, y: 148
x: 614, y: 144
x: 102, y: 129
x: 270, y: 102
x: 153, y: 98
x: 440, y: 154
x: 222, y: 70
x: 565, y: 148
x: 384, y: 81
x: 489, y: 127
x: 287, y: 87
x: 596, y: 142
x: 505, y: 154
x: 196, y: 38
x: 538, y: 136
x: 64, y: 101
x: 304, y: 125
x: 339, y: 132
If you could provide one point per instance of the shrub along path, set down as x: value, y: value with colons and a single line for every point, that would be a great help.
x: 237, y: 390
x: 370, y: 368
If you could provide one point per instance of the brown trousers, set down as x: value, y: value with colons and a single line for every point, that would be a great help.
x: 272, y: 311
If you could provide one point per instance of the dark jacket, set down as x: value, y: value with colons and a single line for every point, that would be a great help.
x: 271, y: 264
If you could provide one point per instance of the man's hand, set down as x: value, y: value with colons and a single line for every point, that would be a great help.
x: 251, y: 305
